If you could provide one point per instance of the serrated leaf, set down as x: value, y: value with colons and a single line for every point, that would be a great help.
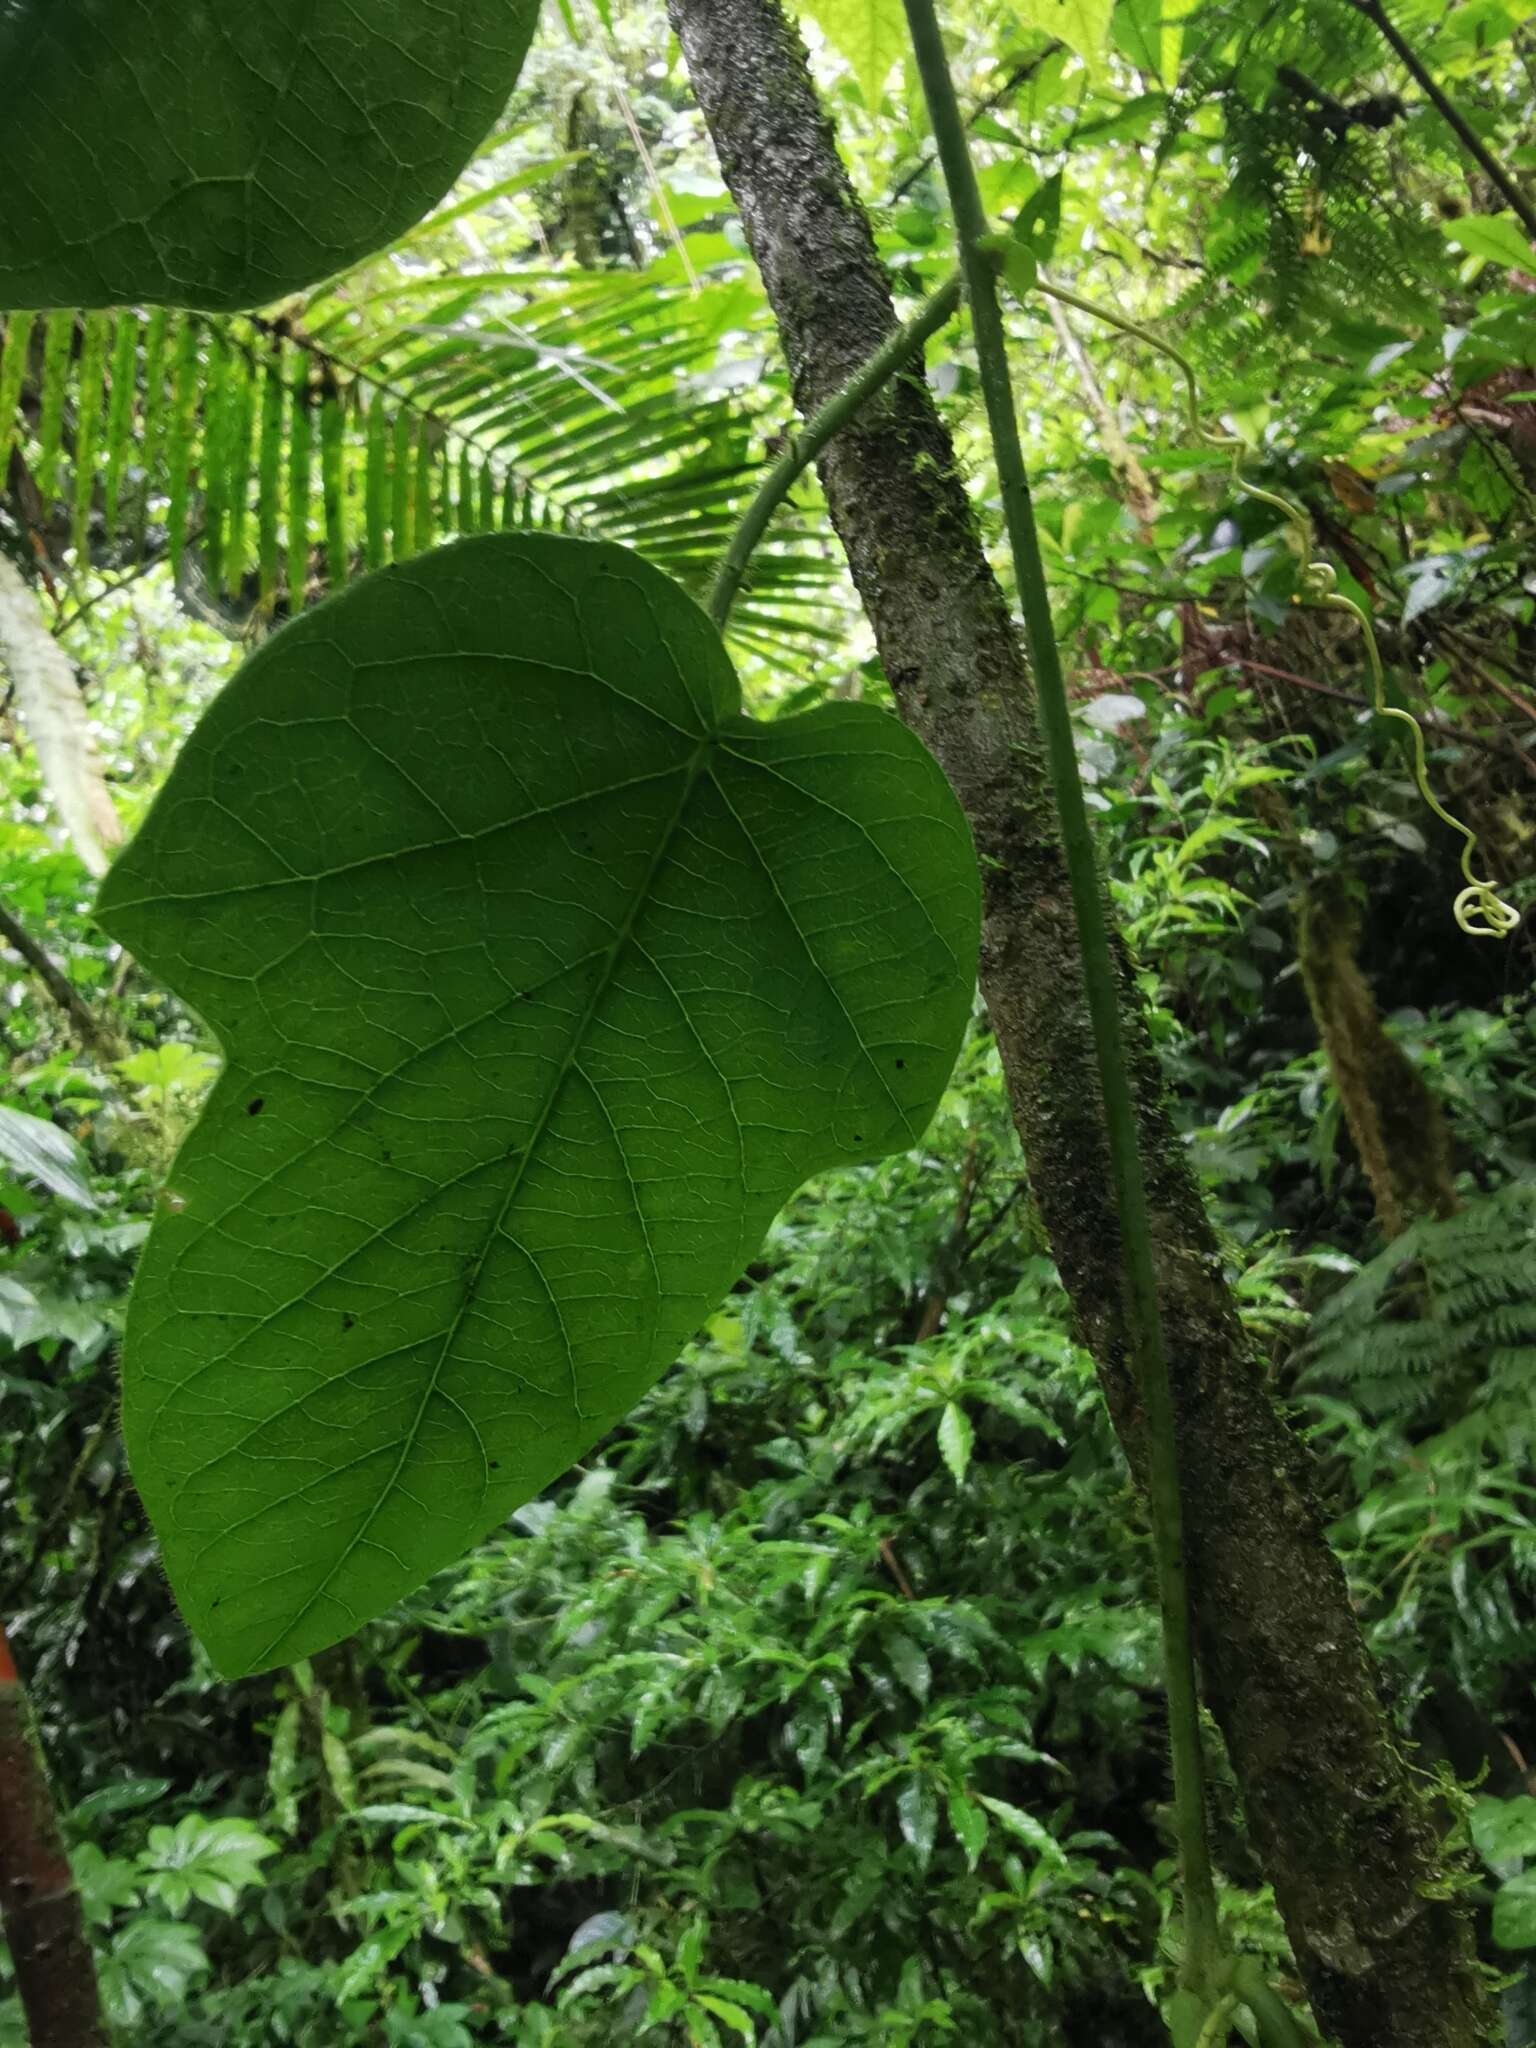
x: 33, y: 1149
x: 544, y: 977
x: 956, y: 1438
x: 1496, y: 237
x: 1024, y: 1828
x: 724, y: 2009
x: 226, y: 156
x: 870, y: 34
x: 910, y: 1664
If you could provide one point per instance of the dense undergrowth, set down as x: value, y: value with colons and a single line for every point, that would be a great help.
x: 822, y: 1704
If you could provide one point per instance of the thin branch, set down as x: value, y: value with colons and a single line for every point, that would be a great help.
x: 89, y: 1028
x: 1428, y: 718
x: 1498, y: 173
x: 1474, y: 659
x: 1019, y: 75
x: 1134, y: 482
x: 1144, y: 1321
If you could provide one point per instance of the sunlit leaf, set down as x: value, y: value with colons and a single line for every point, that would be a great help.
x: 871, y: 34
x: 956, y: 1437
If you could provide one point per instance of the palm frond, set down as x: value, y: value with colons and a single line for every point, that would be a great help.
x: 292, y: 455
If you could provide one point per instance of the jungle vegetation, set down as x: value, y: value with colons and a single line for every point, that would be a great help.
x: 765, y: 862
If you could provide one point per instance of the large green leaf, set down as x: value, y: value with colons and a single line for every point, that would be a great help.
x: 544, y: 977
x: 203, y: 153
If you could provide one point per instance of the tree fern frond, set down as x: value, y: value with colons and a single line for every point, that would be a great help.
x: 1446, y: 1314
x: 90, y: 408
x: 120, y: 416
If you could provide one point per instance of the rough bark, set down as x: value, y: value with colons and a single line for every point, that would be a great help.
x: 39, y: 1905
x: 1332, y: 1810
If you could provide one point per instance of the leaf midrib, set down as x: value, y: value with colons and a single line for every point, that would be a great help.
x: 692, y: 771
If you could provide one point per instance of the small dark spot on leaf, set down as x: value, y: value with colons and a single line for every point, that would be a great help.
x: 387, y: 1157
x: 495, y: 1464
x: 901, y: 1066
x: 256, y: 1105
x: 349, y: 1322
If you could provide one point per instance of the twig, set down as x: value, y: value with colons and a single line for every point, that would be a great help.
x: 1450, y: 113
x: 1019, y: 75
x: 88, y: 1026
x: 1480, y: 669
x: 1429, y: 718
x: 893, y: 1566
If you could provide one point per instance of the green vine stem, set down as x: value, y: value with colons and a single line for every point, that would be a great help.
x: 934, y: 313
x: 1217, y: 2030
x: 1101, y: 984
x: 1478, y: 909
x: 1278, y: 2025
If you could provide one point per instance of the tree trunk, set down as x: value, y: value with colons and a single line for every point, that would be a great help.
x: 39, y: 1905
x: 1339, y: 1824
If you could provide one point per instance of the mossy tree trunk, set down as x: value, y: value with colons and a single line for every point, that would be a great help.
x: 1334, y: 1815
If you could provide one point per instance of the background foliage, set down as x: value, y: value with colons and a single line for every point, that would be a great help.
x: 820, y: 1705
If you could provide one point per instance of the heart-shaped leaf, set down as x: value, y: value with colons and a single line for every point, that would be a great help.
x: 544, y: 977
x: 200, y: 153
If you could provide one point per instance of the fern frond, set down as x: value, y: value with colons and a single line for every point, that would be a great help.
x: 1446, y: 1313
x: 120, y: 416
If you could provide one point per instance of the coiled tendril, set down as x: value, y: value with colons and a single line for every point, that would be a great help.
x: 1478, y: 908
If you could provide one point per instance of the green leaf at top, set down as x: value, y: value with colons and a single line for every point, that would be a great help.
x: 204, y: 153
x: 544, y: 977
x: 1083, y: 25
